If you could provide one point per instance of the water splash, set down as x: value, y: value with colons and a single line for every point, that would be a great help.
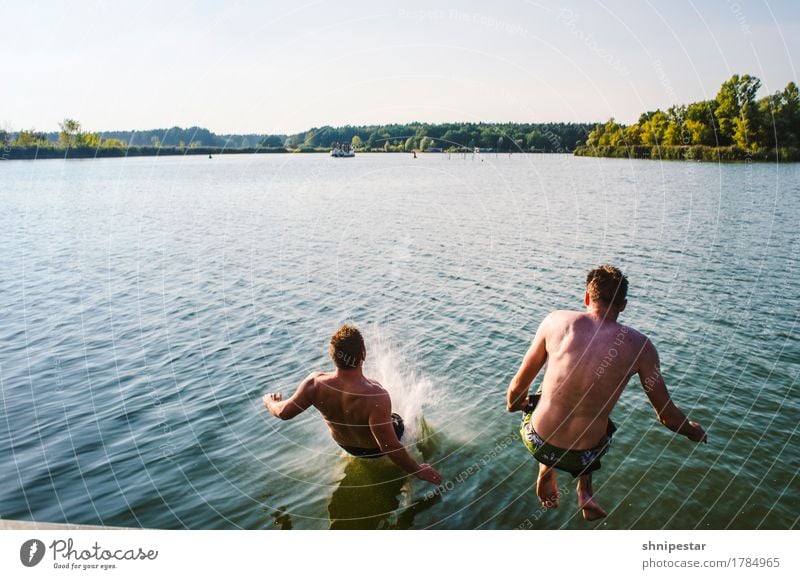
x: 412, y: 392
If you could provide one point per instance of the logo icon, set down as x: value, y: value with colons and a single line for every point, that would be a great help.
x: 31, y: 552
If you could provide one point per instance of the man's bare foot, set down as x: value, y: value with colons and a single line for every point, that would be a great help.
x: 591, y: 509
x: 589, y: 506
x: 546, y: 487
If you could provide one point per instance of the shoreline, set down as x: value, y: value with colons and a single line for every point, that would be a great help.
x: 696, y: 153
x: 704, y: 153
x: 42, y: 153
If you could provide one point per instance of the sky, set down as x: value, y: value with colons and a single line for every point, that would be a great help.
x: 284, y: 67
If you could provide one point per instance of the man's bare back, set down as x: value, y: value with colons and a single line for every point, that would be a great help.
x: 346, y: 405
x: 590, y: 358
x: 357, y: 410
x: 589, y: 362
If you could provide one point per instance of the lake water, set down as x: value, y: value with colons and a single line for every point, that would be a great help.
x: 147, y: 304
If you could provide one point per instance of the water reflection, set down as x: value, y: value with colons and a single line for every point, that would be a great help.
x: 374, y: 494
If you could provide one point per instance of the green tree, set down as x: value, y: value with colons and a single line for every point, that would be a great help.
x: 536, y: 141
x: 632, y: 136
x: 113, y: 144
x: 595, y: 135
x: 731, y: 99
x: 780, y: 117
x: 790, y: 116
x: 425, y: 143
x: 608, y: 135
x: 746, y: 127
x: 653, y: 128
x: 30, y: 139
x: 294, y: 141
x: 70, y: 131
x: 676, y: 132
x: 356, y: 142
x: 91, y: 140
x: 311, y: 139
x: 700, y: 123
x: 272, y: 142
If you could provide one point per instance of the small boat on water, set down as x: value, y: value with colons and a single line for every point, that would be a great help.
x: 342, y: 150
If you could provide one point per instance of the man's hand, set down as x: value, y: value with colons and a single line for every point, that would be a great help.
x: 429, y: 474
x: 697, y: 434
x: 535, y: 357
x: 515, y: 404
x: 270, y: 400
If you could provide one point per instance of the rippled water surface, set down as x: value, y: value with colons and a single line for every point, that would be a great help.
x: 147, y: 304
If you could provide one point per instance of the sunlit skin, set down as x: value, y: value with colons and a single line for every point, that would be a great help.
x: 357, y: 411
x: 590, y: 358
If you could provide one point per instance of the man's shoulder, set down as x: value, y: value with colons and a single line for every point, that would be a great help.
x: 561, y: 316
x: 634, y: 335
x: 376, y: 388
x: 568, y: 313
x: 319, y: 377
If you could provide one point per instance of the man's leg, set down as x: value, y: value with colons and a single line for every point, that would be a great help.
x: 590, y: 507
x: 546, y: 487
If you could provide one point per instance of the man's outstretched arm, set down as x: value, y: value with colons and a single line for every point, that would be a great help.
x: 668, y: 414
x: 380, y: 423
x: 517, y: 395
x: 300, y: 400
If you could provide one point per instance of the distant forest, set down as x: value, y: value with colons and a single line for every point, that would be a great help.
x: 732, y: 126
x: 72, y: 134
x: 538, y: 137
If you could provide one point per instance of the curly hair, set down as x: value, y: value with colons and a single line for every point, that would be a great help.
x: 608, y: 285
x: 347, y: 347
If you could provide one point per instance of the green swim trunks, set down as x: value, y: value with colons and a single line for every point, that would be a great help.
x: 575, y: 462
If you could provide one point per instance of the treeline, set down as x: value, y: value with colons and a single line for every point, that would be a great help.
x: 83, y: 152
x: 734, y: 125
x: 72, y: 135
x: 73, y: 141
x: 505, y: 137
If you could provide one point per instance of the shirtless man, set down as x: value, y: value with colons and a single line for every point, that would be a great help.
x: 590, y: 358
x: 357, y: 410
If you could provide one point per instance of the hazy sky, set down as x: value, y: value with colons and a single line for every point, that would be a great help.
x: 282, y: 67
